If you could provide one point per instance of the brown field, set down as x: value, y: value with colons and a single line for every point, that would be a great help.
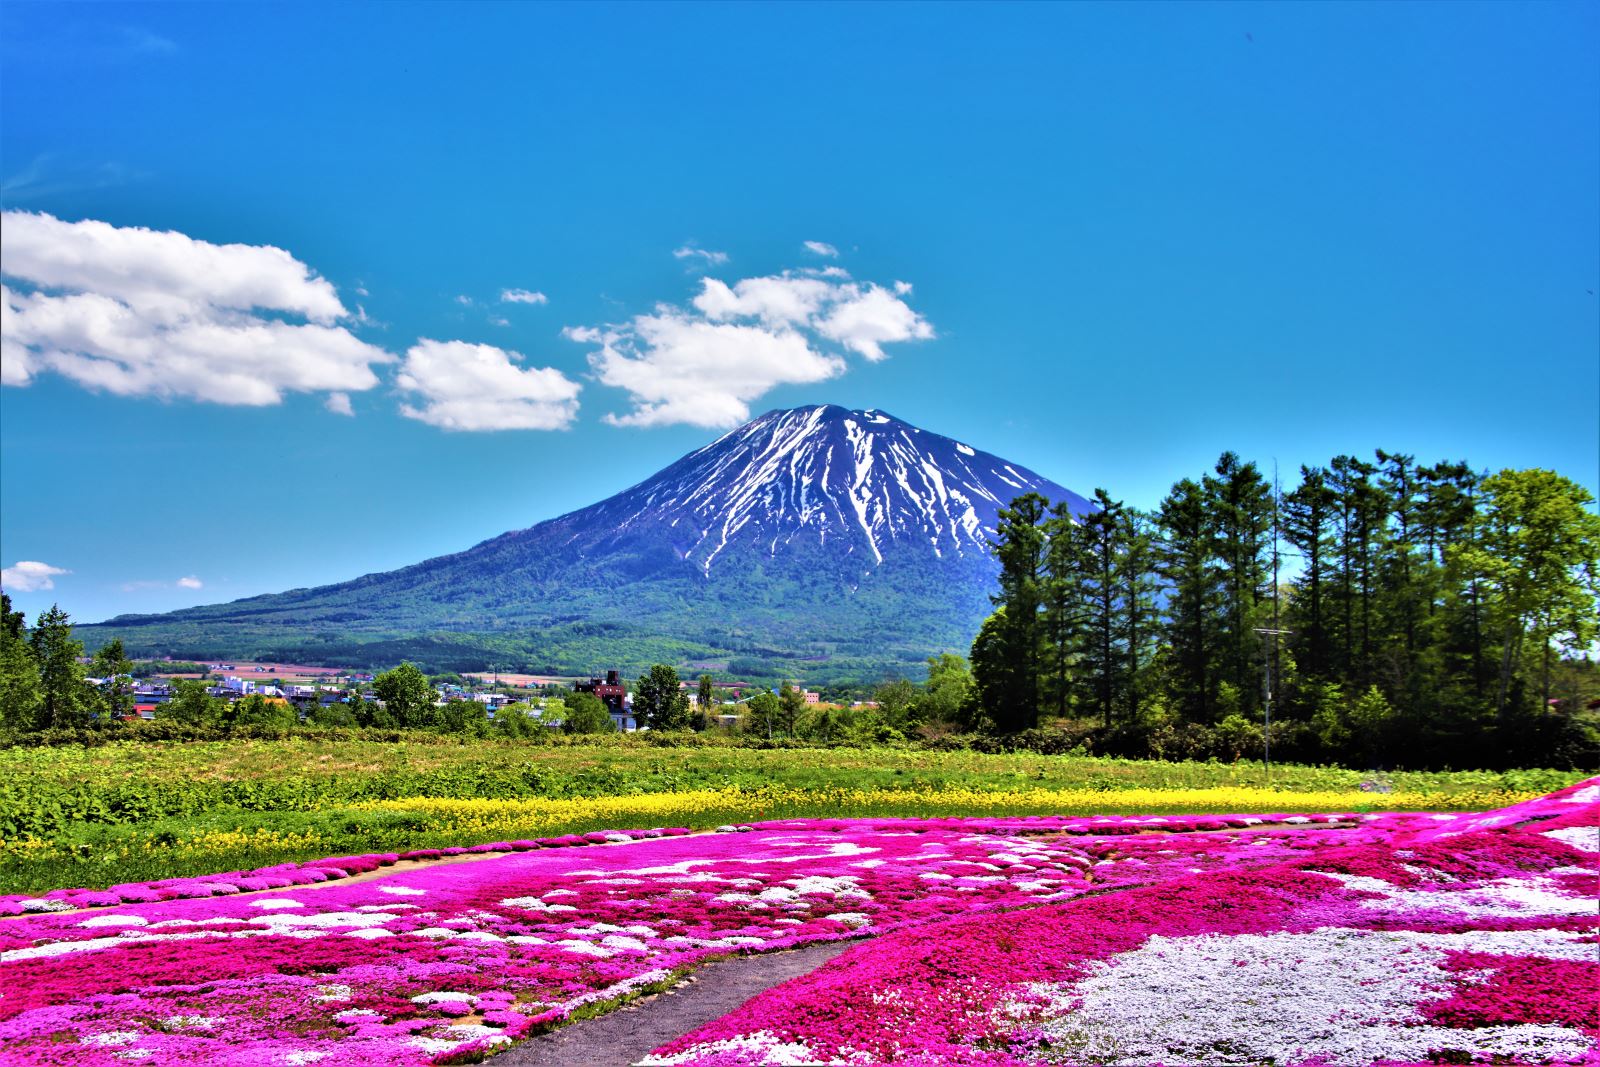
x: 288, y: 672
x: 521, y: 681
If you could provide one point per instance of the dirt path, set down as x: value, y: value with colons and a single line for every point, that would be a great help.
x: 625, y: 1036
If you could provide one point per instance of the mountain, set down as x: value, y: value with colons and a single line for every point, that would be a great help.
x: 817, y: 540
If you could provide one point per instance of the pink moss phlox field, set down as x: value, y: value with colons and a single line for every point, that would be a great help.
x: 1398, y: 940
x: 984, y: 944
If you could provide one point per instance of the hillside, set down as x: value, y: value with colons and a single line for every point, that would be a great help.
x: 817, y: 540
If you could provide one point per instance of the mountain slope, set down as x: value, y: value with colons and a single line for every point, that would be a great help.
x: 816, y: 534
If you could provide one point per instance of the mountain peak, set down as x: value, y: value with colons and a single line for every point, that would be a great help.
x: 863, y: 478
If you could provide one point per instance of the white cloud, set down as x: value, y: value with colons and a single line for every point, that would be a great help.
x: 191, y: 582
x: 139, y: 312
x: 822, y: 248
x: 703, y: 364
x: 339, y: 404
x: 496, y: 320
x: 461, y: 386
x: 464, y: 300
x: 703, y: 257
x: 523, y: 296
x: 30, y: 576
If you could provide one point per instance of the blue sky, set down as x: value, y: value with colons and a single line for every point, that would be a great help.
x: 1134, y: 236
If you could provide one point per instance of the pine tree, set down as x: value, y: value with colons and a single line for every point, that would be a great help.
x: 1185, y: 562
x: 1011, y: 657
x: 63, y: 690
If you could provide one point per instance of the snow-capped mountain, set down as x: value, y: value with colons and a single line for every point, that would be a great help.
x: 818, y: 534
x: 874, y: 484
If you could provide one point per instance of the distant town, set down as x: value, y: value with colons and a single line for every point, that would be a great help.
x: 307, y: 688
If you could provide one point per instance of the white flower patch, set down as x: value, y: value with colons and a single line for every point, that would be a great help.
x: 619, y: 839
x: 1297, y: 820
x: 325, y: 920
x: 935, y: 876
x: 585, y: 948
x: 334, y: 992
x: 275, y: 902
x: 526, y: 939
x: 1583, y: 838
x: 38, y: 904
x: 110, y: 1038
x: 445, y: 997
x: 527, y: 903
x: 303, y: 1057
x: 59, y: 948
x: 401, y: 890
x: 844, y: 886
x: 115, y: 920
x: 1505, y: 896
x: 134, y: 1054
x: 619, y: 943
x: 475, y: 1031
x: 1344, y: 996
x: 850, y: 918
x: 388, y: 907
x: 1588, y: 795
x: 772, y: 1049
x: 202, y: 1022
x: 350, y: 1015
x: 561, y: 893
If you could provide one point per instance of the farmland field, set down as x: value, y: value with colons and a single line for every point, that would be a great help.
x: 131, y: 811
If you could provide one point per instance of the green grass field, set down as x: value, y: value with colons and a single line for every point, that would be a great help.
x: 138, y: 811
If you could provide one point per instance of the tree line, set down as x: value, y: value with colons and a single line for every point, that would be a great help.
x: 1394, y: 613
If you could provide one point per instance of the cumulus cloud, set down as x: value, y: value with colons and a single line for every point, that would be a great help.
x: 700, y: 257
x: 461, y: 386
x: 822, y: 248
x: 30, y: 576
x: 191, y: 582
x: 339, y: 404
x: 703, y: 364
x: 523, y: 296
x: 141, y: 312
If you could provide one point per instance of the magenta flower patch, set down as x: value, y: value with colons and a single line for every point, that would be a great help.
x: 1207, y: 939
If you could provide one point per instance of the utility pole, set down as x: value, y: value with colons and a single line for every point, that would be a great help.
x: 1266, y: 663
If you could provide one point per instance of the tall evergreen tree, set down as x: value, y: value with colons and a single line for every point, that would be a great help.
x: 1138, y: 589
x: 64, y: 694
x: 1010, y: 657
x: 1188, y: 567
x: 1063, y: 612
x: 1240, y: 501
x: 1307, y: 522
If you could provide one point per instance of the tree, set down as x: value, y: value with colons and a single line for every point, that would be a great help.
x: 1008, y: 668
x: 1537, y: 546
x: 896, y: 700
x: 20, y: 691
x: 407, y: 696
x: 706, y: 696
x: 111, y: 663
x: 465, y: 717
x: 762, y: 714
x: 791, y: 705
x: 949, y: 694
x: 191, y: 704
x: 658, y: 703
x: 586, y: 713
x: 1239, y: 503
x: 61, y: 679
x: 12, y: 623
x: 1185, y: 562
x: 516, y: 720
x: 257, y: 712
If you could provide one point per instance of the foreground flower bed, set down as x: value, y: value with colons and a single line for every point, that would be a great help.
x: 1464, y: 940
x: 427, y: 957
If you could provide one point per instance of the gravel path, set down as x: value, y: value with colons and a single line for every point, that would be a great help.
x: 625, y: 1036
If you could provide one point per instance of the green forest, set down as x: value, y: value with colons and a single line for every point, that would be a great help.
x: 1393, y: 613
